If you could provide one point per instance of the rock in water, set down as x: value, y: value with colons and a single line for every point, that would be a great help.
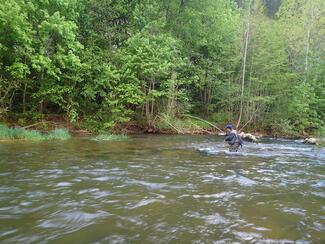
x: 248, y: 137
x: 312, y: 141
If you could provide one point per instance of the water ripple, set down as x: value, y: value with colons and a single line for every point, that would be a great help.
x: 161, y: 189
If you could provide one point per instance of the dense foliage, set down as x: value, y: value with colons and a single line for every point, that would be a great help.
x: 258, y: 64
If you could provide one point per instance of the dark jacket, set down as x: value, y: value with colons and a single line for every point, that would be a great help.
x: 232, y: 138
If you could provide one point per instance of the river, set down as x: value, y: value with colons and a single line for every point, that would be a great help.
x: 161, y: 189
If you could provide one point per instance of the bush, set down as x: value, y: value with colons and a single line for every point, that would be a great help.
x: 282, y: 127
x: 320, y: 132
x: 4, y: 132
x: 7, y: 133
x: 23, y: 134
x: 58, y: 134
x: 219, y: 118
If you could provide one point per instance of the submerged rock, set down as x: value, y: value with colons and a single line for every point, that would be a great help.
x: 312, y: 141
x: 248, y: 137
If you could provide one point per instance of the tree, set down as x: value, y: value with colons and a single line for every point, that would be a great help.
x: 15, y: 47
x: 109, y: 62
x: 301, y: 24
x: 151, y: 59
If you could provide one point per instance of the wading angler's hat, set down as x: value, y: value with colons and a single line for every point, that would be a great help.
x: 229, y: 126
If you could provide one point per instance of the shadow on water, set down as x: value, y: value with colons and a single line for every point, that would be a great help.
x: 161, y: 189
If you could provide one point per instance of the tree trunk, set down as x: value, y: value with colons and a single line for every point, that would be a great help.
x: 307, y: 52
x: 243, y: 74
x: 171, y: 97
x: 24, y: 97
x: 41, y: 105
x: 148, y: 105
x: 152, y: 102
x: 181, y: 16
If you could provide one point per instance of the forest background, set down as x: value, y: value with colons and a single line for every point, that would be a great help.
x: 106, y: 64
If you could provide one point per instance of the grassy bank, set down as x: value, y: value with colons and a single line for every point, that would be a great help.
x: 21, y: 133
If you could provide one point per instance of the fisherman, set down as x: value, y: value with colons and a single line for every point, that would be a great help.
x: 233, y: 139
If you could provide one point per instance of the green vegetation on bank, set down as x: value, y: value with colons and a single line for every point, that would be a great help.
x: 7, y: 133
x: 19, y: 134
x: 58, y: 134
x: 105, y: 63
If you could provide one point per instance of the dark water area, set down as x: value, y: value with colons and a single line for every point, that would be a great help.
x: 161, y: 189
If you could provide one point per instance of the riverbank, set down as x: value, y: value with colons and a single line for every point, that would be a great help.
x: 187, y: 125
x: 60, y: 132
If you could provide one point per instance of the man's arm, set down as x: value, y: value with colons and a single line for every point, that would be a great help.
x: 230, y: 137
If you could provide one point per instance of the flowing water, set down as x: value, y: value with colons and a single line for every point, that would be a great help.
x: 161, y: 189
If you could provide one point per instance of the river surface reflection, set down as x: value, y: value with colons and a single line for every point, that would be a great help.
x: 161, y: 189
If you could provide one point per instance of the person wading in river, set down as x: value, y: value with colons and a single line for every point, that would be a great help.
x: 233, y: 139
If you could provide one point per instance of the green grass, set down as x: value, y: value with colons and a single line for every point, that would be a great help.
x: 7, y: 133
x: 23, y: 134
x: 58, y: 134
x: 109, y: 137
x: 4, y: 132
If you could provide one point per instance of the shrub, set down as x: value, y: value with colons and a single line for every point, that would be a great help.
x: 282, y: 127
x: 320, y: 132
x: 23, y: 134
x: 58, y: 134
x: 7, y: 133
x: 19, y: 133
x: 4, y: 132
